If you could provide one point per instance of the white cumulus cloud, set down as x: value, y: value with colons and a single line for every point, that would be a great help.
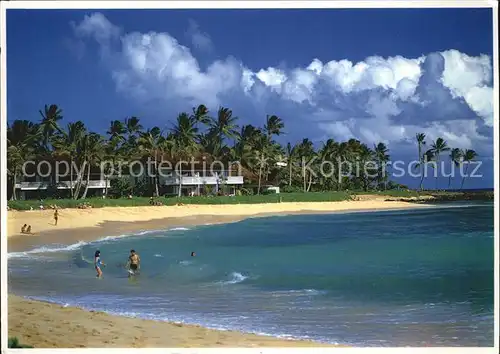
x: 446, y: 94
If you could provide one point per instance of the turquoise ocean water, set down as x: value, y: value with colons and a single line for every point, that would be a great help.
x: 395, y: 278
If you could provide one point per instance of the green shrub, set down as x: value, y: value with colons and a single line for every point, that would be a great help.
x: 120, y: 187
x: 14, y: 343
x: 292, y: 189
x: 246, y: 191
x: 268, y: 191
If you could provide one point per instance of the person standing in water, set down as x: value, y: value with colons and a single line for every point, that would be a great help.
x: 98, y: 263
x: 134, y: 262
x: 56, y: 217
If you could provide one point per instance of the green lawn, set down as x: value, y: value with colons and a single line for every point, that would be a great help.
x: 249, y: 199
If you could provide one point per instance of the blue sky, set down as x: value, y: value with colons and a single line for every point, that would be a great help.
x: 372, y: 74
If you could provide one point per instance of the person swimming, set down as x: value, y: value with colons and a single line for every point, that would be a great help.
x: 193, y: 254
x: 98, y: 263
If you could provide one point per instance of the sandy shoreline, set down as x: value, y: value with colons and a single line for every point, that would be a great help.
x: 91, y: 224
x: 49, y: 325
x: 45, y: 325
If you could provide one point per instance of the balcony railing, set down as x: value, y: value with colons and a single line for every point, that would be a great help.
x: 60, y: 185
x: 209, y: 180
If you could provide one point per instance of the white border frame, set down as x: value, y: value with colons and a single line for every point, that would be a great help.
x: 241, y: 5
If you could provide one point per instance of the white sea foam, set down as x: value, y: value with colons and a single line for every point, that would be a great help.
x: 301, y: 292
x: 235, y: 278
x: 46, y: 249
x: 111, y: 238
x: 144, y: 232
x: 453, y: 205
x: 36, y: 252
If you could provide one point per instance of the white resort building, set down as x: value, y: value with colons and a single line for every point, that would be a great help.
x: 198, y: 182
x: 191, y: 183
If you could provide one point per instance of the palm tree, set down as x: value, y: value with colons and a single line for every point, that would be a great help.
x: 49, y: 125
x: 185, y: 131
x: 364, y: 157
x: 343, y: 154
x: 306, y: 151
x: 201, y: 115
x: 421, y: 142
x: 113, y: 152
x: 427, y: 159
x: 261, y: 147
x: 23, y: 132
x: 66, y: 145
x: 21, y: 146
x: 242, y: 150
x: 291, y: 151
x: 132, y: 129
x: 224, y: 126
x: 117, y: 129
x: 274, y: 126
x: 117, y: 145
x: 184, y: 136
x: 93, y: 148
x: 15, y: 160
x: 380, y: 153
x: 438, y: 147
x: 456, y: 160
x: 152, y: 143
x: 328, y: 153
x: 468, y: 156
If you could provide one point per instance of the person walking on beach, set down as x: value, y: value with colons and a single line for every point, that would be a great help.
x: 98, y: 263
x: 134, y: 262
x: 56, y: 217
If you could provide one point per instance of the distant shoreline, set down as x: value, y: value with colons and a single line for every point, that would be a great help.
x: 92, y: 224
x: 440, y: 197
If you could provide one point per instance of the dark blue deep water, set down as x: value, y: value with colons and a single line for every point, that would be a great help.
x: 400, y: 278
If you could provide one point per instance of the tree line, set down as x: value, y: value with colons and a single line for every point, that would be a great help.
x: 216, y: 137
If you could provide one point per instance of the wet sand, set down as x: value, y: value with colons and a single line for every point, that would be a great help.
x: 45, y: 325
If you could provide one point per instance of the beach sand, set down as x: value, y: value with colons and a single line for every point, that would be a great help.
x: 48, y: 325
x: 45, y: 325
